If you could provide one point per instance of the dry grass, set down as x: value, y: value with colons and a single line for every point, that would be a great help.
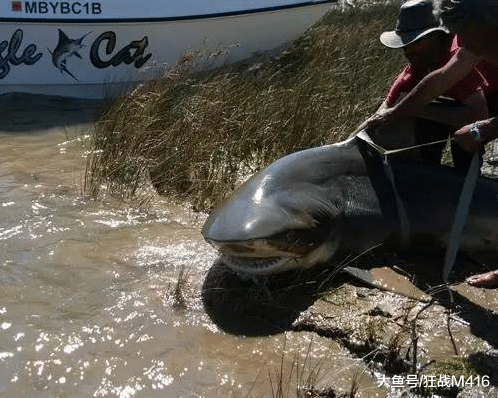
x: 193, y: 134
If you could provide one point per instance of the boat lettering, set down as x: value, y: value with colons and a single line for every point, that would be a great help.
x: 133, y: 52
x: 63, y: 7
x: 28, y: 56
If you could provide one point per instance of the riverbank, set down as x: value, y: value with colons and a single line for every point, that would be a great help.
x: 194, y: 134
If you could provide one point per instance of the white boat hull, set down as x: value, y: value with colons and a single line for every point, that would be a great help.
x: 101, y: 58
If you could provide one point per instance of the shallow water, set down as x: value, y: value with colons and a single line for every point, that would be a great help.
x: 87, y: 307
x: 86, y: 287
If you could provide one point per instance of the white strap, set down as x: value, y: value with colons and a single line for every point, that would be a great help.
x: 402, y: 214
x: 461, y: 216
x: 462, y: 208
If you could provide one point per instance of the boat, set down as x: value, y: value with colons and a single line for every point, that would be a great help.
x: 100, y: 48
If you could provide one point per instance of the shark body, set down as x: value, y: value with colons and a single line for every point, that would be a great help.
x: 320, y: 205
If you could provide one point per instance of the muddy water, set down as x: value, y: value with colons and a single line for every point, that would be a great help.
x: 87, y: 303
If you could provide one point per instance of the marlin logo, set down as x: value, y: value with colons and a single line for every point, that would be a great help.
x: 65, y: 49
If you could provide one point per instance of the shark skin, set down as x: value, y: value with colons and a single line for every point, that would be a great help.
x: 325, y: 204
x: 65, y: 49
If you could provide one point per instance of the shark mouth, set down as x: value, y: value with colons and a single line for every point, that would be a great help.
x: 256, y: 265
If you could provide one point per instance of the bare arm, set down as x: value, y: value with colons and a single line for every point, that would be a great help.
x: 434, y: 84
x: 474, y: 108
x: 431, y: 86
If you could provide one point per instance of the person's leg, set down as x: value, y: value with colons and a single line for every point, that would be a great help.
x: 488, y: 279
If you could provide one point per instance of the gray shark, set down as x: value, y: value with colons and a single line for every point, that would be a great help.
x: 65, y: 49
x: 321, y: 205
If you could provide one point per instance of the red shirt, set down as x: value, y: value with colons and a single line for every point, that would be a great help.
x: 406, y: 81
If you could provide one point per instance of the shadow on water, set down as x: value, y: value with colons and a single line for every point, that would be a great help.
x: 271, y: 305
x: 21, y: 112
x: 262, y: 306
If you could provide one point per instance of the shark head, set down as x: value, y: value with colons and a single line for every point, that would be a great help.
x: 275, y: 234
x: 290, y: 215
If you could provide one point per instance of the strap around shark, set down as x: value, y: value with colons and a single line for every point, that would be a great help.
x: 402, y: 216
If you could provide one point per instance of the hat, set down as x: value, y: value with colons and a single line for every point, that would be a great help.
x: 415, y: 20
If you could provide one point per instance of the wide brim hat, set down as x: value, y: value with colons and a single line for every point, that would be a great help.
x: 415, y: 20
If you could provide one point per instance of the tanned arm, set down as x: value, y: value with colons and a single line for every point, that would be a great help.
x: 430, y: 87
x: 474, y: 108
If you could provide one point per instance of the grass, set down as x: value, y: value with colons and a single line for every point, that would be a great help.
x: 304, y: 377
x: 193, y: 134
x: 179, y: 301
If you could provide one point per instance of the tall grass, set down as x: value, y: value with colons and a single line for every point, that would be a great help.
x: 192, y: 134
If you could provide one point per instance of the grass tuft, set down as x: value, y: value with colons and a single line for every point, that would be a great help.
x: 194, y: 134
x: 306, y: 380
x: 179, y: 301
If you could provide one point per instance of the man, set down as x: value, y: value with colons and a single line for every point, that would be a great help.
x: 476, y: 26
x: 476, y: 23
x: 428, y: 46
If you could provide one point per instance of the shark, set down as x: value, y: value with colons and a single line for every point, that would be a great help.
x: 65, y: 49
x: 322, y: 205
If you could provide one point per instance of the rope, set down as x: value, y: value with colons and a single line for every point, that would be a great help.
x: 460, y: 213
x: 365, y: 137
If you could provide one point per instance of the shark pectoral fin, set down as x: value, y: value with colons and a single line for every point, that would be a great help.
x: 388, y: 280
x: 361, y: 274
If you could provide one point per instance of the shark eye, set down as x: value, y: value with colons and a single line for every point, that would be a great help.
x: 291, y: 234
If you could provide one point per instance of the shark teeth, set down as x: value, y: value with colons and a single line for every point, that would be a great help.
x: 253, y: 264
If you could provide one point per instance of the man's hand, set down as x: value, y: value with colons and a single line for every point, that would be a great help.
x: 465, y: 140
x: 472, y: 136
x: 383, y: 117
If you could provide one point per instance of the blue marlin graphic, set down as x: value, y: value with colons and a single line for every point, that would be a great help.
x: 65, y: 49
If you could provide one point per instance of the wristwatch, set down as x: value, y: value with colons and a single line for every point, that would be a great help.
x: 475, y: 133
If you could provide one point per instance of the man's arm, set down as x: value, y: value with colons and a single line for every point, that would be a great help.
x: 474, y: 108
x: 430, y: 87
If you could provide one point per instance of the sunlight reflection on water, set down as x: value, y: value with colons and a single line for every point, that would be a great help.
x: 87, y: 303
x: 88, y: 306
